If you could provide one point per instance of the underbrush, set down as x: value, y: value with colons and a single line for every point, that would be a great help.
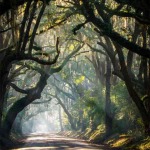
x: 126, y: 141
x: 130, y: 142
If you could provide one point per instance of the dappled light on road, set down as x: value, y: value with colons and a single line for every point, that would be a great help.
x: 53, y: 141
x: 74, y: 68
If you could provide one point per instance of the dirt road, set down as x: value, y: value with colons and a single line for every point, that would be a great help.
x: 55, y: 142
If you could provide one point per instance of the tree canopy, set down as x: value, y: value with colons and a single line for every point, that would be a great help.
x: 90, y: 57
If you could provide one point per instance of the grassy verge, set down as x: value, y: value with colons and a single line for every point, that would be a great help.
x: 116, y: 141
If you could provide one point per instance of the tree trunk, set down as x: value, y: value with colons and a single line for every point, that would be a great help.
x: 19, y: 105
x: 2, y: 97
x: 70, y: 118
x: 142, y: 110
x: 108, y: 115
x: 60, y: 119
x: 3, y: 88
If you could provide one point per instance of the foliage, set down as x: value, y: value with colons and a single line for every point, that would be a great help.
x: 76, y: 39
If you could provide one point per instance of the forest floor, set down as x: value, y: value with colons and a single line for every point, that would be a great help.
x: 116, y: 141
x: 54, y: 141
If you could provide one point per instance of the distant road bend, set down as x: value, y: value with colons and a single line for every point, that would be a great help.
x: 55, y: 142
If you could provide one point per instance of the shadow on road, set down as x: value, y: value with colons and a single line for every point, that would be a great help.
x: 54, y: 142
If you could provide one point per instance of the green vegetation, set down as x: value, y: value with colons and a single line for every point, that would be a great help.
x: 79, y: 66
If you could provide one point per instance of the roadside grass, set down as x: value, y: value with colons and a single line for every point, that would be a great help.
x: 130, y: 143
x: 116, y: 141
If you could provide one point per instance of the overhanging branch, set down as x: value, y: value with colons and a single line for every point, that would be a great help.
x: 16, y: 88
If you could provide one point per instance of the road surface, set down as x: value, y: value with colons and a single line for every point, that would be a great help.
x: 55, y: 142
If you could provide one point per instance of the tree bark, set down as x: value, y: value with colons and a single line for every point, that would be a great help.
x: 108, y: 115
x: 4, y: 71
x: 19, y: 105
x: 143, y: 112
x: 106, y: 29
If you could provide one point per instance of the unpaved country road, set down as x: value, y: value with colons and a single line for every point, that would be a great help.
x: 55, y: 142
